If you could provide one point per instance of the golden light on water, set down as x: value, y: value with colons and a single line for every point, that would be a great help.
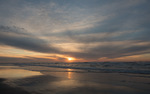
x: 69, y: 73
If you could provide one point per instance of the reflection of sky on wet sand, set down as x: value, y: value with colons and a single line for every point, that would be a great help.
x: 17, y: 73
x: 81, y: 87
x: 69, y: 81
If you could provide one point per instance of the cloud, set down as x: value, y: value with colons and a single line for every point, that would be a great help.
x: 24, y: 59
x: 113, y: 50
x: 82, y: 29
x: 12, y: 59
x: 13, y: 36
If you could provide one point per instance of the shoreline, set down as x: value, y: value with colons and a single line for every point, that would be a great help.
x: 71, y: 82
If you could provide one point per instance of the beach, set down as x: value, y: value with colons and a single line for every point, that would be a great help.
x: 16, y: 79
x: 74, y: 46
x: 6, y: 89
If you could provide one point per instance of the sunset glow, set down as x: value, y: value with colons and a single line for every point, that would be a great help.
x: 72, y: 30
x: 75, y: 46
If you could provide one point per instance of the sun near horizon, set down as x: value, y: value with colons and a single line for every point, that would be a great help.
x: 70, y: 59
x: 74, y: 31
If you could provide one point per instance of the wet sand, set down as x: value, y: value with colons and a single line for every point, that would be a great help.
x: 69, y: 81
x: 6, y: 89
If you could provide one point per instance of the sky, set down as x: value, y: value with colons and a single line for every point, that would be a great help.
x: 74, y: 30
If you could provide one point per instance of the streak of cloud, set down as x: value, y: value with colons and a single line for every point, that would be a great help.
x: 86, y: 29
x: 10, y: 36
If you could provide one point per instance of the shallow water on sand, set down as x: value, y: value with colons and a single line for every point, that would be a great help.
x: 46, y: 80
x: 9, y: 72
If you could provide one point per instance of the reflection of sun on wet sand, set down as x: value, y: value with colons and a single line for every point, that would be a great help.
x: 69, y: 73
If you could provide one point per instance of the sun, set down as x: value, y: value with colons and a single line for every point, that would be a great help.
x: 70, y: 59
